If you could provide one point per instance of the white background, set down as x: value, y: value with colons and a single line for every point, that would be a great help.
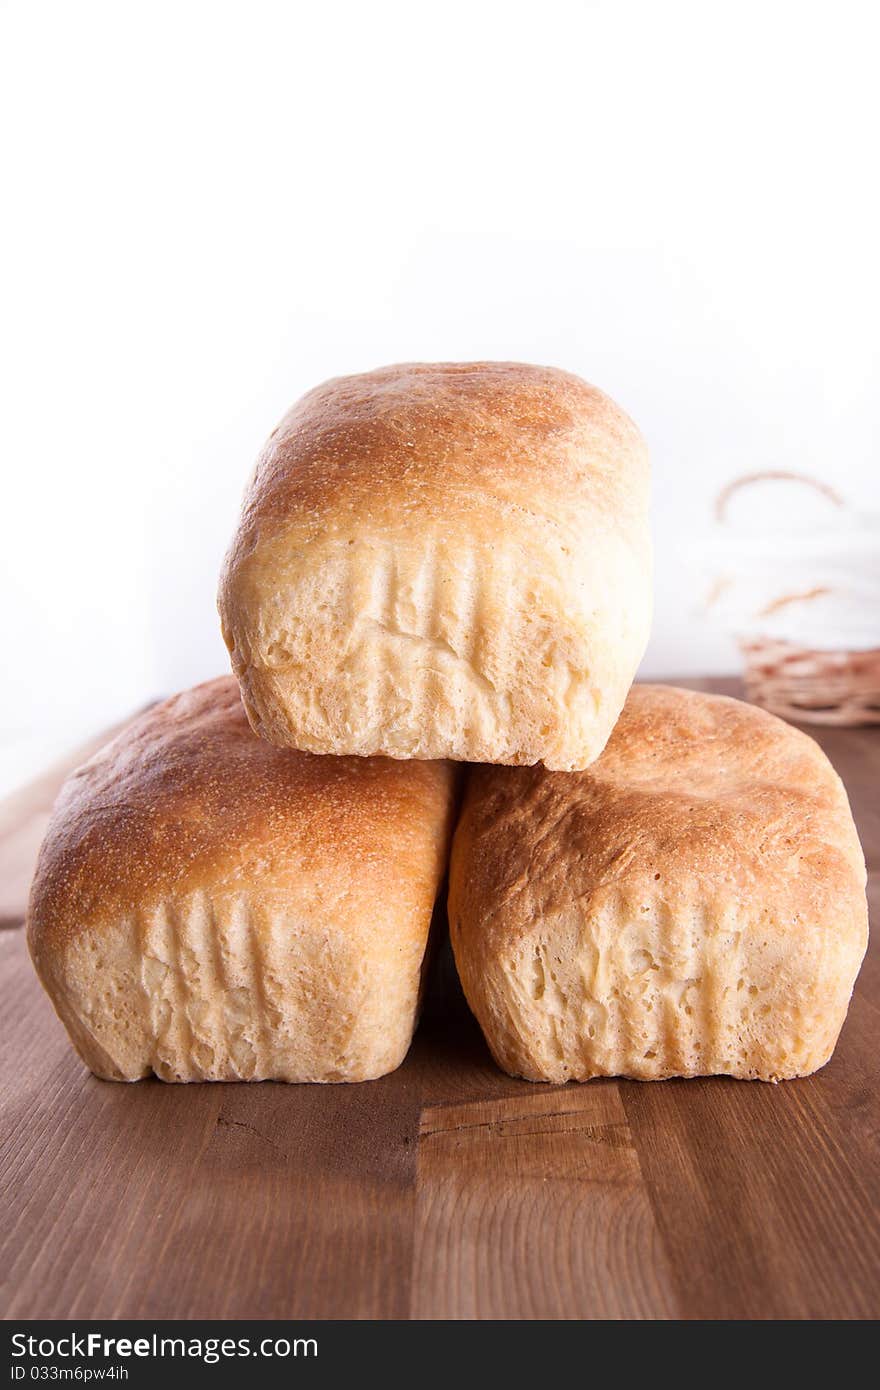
x: 209, y: 208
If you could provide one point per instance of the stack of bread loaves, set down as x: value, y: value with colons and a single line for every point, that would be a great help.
x: 441, y: 564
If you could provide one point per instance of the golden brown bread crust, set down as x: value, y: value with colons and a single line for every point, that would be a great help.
x: 206, y: 905
x: 438, y: 427
x: 692, y: 903
x: 443, y: 560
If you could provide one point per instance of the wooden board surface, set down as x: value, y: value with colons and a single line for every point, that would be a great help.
x: 445, y: 1190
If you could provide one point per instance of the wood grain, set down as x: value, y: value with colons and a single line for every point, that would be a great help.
x: 533, y: 1206
x: 447, y: 1190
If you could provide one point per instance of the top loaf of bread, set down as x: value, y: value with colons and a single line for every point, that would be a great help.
x: 443, y: 561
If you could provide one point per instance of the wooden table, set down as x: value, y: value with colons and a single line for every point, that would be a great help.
x: 446, y: 1190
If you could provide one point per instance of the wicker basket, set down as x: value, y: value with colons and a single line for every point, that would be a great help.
x: 801, y: 683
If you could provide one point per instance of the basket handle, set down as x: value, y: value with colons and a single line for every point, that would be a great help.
x: 774, y: 475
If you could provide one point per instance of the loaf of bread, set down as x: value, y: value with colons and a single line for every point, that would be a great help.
x: 693, y: 903
x: 208, y: 907
x: 443, y: 561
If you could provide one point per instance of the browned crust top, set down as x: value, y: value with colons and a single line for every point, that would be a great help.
x: 413, y: 432
x: 696, y: 797
x: 187, y: 798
